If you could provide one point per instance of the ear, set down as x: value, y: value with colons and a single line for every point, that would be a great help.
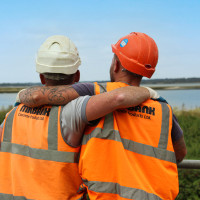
x: 77, y: 76
x: 42, y: 79
x: 116, y: 66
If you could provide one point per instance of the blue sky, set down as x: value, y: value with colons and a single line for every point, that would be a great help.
x: 93, y: 25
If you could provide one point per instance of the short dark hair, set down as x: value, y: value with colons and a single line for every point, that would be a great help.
x: 59, y: 79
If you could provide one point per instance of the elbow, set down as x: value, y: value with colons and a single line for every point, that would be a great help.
x: 180, y: 149
x: 120, y: 100
x: 184, y: 153
x: 181, y: 156
x: 36, y: 100
x: 32, y: 100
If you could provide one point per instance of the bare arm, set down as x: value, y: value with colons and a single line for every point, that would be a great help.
x: 43, y: 95
x: 105, y: 103
x: 180, y: 149
x: 61, y: 95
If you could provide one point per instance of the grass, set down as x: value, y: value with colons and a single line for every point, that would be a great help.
x: 189, y: 180
x: 190, y: 123
x: 3, y: 112
x: 10, y: 89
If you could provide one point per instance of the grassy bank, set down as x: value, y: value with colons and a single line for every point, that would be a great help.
x: 189, y: 180
x: 10, y: 89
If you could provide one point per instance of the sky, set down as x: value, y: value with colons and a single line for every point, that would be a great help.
x: 93, y: 25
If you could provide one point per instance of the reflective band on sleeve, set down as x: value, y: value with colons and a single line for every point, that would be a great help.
x: 122, y: 191
x: 8, y: 126
x: 10, y: 196
x: 41, y: 154
x: 164, y: 127
x: 53, y: 129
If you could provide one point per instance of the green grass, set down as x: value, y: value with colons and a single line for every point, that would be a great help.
x: 10, y: 89
x: 3, y: 112
x: 190, y: 124
x: 189, y: 180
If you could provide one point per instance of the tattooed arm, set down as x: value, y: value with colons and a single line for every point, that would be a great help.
x: 41, y: 95
x: 61, y: 95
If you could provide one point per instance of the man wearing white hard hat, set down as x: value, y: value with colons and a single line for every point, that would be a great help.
x: 40, y: 145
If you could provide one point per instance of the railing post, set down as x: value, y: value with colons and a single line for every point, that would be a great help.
x: 189, y: 164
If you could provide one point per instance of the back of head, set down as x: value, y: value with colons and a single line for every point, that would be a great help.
x: 138, y: 53
x: 58, y: 55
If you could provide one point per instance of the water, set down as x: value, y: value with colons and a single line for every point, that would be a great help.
x: 172, y: 84
x: 7, y: 99
x: 189, y: 99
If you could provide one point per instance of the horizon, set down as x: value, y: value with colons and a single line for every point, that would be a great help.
x: 93, y: 26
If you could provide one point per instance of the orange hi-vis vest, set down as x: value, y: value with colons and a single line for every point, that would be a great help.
x: 129, y: 153
x: 36, y: 163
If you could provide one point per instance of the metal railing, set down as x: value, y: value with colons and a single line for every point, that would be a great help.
x: 189, y: 164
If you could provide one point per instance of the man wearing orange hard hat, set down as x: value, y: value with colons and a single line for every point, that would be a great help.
x: 131, y: 153
x: 138, y: 53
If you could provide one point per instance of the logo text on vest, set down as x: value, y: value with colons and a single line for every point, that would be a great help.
x: 36, y: 111
x: 143, y: 109
x: 139, y: 111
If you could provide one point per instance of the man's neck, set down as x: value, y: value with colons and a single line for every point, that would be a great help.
x: 135, y: 82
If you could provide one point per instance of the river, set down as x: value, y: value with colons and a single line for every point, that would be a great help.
x: 187, y: 99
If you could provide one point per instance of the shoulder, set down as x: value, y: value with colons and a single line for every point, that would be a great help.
x: 75, y: 108
x: 72, y: 121
x: 84, y: 88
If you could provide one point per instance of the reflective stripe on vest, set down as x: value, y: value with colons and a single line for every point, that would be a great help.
x: 102, y: 87
x: 122, y: 191
x: 10, y: 196
x: 159, y: 152
x: 58, y: 156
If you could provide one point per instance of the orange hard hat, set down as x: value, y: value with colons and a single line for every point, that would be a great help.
x: 138, y: 53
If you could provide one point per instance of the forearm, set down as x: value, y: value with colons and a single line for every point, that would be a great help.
x: 44, y: 95
x: 105, y: 103
x: 180, y: 149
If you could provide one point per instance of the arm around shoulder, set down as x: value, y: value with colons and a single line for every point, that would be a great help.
x: 107, y: 102
x: 45, y: 95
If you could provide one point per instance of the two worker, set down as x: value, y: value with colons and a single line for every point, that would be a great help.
x: 126, y: 155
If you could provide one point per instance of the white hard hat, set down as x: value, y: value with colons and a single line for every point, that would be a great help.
x: 58, y: 54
